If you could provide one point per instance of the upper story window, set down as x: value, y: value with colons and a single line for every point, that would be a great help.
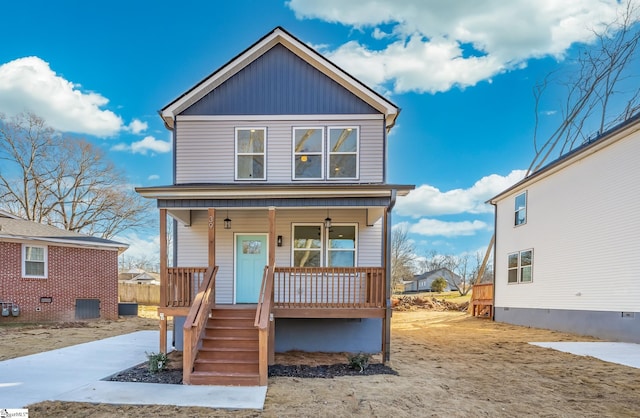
x: 334, y: 157
x: 521, y: 209
x: 520, y: 269
x: 343, y: 153
x: 336, y: 248
x: 250, y: 153
x: 34, y: 261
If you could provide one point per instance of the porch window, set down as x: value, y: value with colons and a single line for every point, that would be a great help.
x: 341, y: 248
x: 308, y: 153
x: 520, y: 267
x: 307, y: 245
x: 250, y: 153
x: 34, y: 261
x: 521, y: 209
x: 343, y: 153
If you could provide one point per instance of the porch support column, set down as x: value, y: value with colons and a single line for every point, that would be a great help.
x: 212, y: 237
x: 386, y: 321
x: 163, y: 279
x: 272, y: 265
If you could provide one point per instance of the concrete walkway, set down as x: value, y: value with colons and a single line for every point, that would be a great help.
x: 627, y: 354
x: 75, y: 374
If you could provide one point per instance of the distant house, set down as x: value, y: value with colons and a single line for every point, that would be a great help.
x: 50, y: 274
x: 142, y: 277
x: 422, y: 282
x: 567, y: 241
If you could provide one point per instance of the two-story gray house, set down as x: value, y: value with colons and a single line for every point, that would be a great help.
x: 282, y: 214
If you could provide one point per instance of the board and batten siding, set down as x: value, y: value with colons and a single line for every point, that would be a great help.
x: 205, y: 149
x: 192, y: 240
x: 584, y: 229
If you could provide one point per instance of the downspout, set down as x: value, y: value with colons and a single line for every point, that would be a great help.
x: 387, y: 315
x: 495, y: 246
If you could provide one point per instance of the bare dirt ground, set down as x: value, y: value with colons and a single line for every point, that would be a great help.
x: 449, y: 365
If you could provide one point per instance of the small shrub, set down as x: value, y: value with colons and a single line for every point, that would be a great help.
x: 438, y: 285
x: 359, y: 361
x: 157, y: 362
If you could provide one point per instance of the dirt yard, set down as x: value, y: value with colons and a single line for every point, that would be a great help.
x: 449, y: 365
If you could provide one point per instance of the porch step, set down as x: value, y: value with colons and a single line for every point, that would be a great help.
x: 229, y: 349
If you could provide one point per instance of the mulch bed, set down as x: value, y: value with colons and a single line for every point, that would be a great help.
x: 141, y: 373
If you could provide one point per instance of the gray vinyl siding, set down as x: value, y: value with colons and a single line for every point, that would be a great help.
x: 192, y: 240
x: 205, y: 149
x: 279, y: 83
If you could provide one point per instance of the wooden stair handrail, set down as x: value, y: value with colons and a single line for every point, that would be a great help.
x: 262, y: 322
x: 194, y: 324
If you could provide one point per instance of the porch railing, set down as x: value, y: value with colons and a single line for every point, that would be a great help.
x: 194, y: 324
x: 181, y: 286
x: 329, y: 287
x: 263, y: 323
x: 482, y: 300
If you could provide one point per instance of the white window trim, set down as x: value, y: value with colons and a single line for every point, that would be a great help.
x: 237, y: 154
x: 330, y: 153
x: 515, y: 211
x: 24, y: 261
x: 322, y: 239
x: 321, y: 153
x: 355, y: 249
x: 519, y: 267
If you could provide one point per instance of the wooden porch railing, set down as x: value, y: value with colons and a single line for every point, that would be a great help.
x: 329, y: 287
x: 195, y: 322
x: 482, y: 300
x: 181, y: 285
x: 263, y: 323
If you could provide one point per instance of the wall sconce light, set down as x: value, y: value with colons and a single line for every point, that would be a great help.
x: 279, y: 241
x: 327, y: 220
x: 227, y: 222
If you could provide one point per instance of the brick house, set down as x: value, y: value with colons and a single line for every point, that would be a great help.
x: 50, y: 274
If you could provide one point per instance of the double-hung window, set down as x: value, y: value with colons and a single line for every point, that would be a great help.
x: 251, y: 153
x: 34, y: 261
x: 520, y: 267
x: 521, y: 209
x: 313, y: 247
x: 330, y: 153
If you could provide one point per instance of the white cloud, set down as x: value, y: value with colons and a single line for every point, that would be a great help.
x: 427, y: 200
x: 438, y: 45
x: 145, y: 145
x: 137, y: 126
x: 141, y: 247
x: 153, y: 177
x: 434, y: 227
x: 29, y: 84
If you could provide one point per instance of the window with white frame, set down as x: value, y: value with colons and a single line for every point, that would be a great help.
x: 520, y: 267
x: 34, y: 261
x: 343, y: 153
x: 308, y: 153
x: 521, y: 209
x: 314, y: 248
x: 310, y: 146
x: 250, y: 153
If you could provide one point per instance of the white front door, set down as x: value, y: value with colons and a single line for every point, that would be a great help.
x: 251, y: 257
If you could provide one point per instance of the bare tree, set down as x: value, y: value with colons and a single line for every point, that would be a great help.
x: 402, y: 257
x: 603, y: 75
x: 64, y: 181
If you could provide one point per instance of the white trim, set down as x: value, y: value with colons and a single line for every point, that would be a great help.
x: 515, y: 210
x: 329, y: 153
x: 235, y: 257
x: 62, y: 243
x: 259, y: 194
x: 519, y: 266
x: 23, y: 261
x: 356, y: 228
x: 236, y: 154
x: 294, y: 153
x: 322, y: 234
x: 278, y: 36
x: 262, y: 118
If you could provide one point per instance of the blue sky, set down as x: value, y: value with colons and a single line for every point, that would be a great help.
x: 462, y: 73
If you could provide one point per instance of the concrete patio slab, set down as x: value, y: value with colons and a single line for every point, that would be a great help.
x: 627, y: 354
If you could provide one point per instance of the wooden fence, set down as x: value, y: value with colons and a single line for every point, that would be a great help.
x: 143, y: 294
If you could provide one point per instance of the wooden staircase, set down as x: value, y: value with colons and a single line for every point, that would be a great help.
x: 229, y: 349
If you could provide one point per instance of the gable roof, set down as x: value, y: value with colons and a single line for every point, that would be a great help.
x: 279, y: 36
x: 618, y: 132
x: 15, y: 228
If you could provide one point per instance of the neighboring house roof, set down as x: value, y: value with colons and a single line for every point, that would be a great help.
x: 601, y: 141
x: 306, y: 53
x: 15, y: 228
x: 430, y: 276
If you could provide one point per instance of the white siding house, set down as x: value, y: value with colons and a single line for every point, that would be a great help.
x: 567, y: 241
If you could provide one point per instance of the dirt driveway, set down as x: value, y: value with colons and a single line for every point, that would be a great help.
x: 449, y: 365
